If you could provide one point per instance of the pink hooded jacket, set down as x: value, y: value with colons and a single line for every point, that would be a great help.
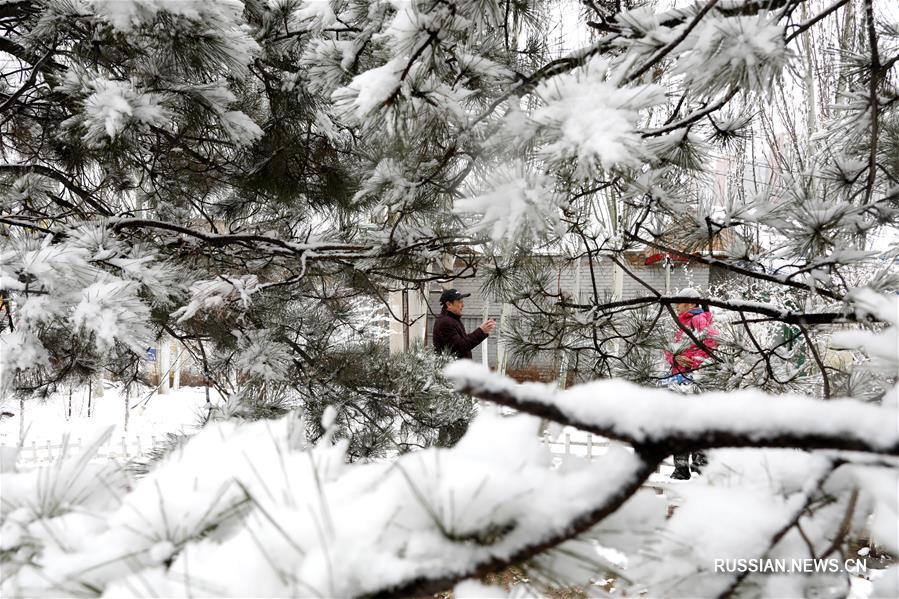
x: 700, y: 322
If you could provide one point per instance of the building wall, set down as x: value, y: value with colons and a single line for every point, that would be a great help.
x: 417, y: 315
x: 682, y: 275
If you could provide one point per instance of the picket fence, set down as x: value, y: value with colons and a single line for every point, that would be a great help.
x: 590, y: 447
x: 48, y: 450
x: 595, y: 446
x: 131, y: 447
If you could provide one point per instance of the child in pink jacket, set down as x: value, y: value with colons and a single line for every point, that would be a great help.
x: 699, y: 321
x: 683, y: 362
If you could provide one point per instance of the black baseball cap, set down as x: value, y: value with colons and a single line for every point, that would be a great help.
x: 450, y: 295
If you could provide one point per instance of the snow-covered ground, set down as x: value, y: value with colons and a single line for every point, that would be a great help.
x: 149, y: 414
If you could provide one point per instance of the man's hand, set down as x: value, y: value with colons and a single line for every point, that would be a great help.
x: 683, y: 361
x: 488, y: 325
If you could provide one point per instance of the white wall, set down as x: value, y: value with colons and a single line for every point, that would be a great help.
x: 692, y: 275
x: 418, y: 308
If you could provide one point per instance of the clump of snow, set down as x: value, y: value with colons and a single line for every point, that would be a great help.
x: 868, y: 301
x: 53, y: 266
x: 589, y: 116
x: 218, y: 23
x: 320, y: 13
x: 410, y: 26
x: 215, y: 96
x: 882, y: 484
x: 388, y: 182
x: 369, y: 91
x: 745, y: 52
x: 250, y: 509
x: 85, y: 283
x: 125, y: 15
x: 215, y: 293
x: 240, y: 127
x: 29, y: 187
x: 20, y: 350
x: 472, y: 589
x: 882, y: 345
x: 260, y: 357
x: 482, y: 66
x: 326, y: 62
x: 329, y: 417
x: 518, y: 204
x: 748, y: 502
x: 783, y: 471
x: 113, y: 105
x: 751, y: 519
x: 237, y: 125
x: 112, y: 311
x: 641, y: 26
x: 72, y: 481
x: 886, y: 584
x: 748, y: 506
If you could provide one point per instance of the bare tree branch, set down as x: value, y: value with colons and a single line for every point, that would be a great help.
x: 733, y: 267
x: 790, y: 317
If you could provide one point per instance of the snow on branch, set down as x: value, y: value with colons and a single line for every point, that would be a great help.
x: 259, y: 497
x: 735, y: 268
x: 516, y: 204
x: 614, y: 483
x: 767, y: 310
x: 621, y: 410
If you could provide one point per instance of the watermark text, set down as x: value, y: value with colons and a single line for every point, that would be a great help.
x: 790, y: 566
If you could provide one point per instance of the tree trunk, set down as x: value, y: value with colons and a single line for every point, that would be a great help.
x: 563, y: 366
x: 502, y: 356
x: 405, y: 309
x: 21, y: 420
x: 164, y: 364
x: 179, y: 361
x: 127, y: 406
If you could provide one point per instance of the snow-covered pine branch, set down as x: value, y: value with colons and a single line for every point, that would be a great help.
x: 658, y: 418
x: 259, y: 497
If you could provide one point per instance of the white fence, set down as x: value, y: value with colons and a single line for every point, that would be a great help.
x: 590, y: 447
x: 47, y: 450
x: 126, y: 448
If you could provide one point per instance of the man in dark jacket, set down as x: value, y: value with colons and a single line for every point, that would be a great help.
x: 450, y: 337
x: 449, y: 333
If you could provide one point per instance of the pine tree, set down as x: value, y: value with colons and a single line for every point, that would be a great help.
x: 223, y: 174
x: 250, y: 177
